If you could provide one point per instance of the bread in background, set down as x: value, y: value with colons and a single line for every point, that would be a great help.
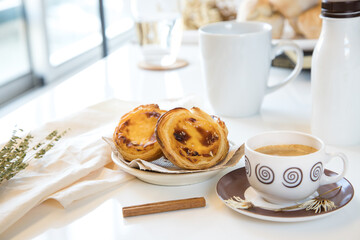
x: 300, y: 19
x: 252, y: 9
x: 197, y: 13
x: 294, y: 26
x: 309, y: 22
x: 292, y: 8
x: 261, y: 11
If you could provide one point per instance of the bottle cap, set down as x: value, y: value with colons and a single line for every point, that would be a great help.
x: 340, y: 9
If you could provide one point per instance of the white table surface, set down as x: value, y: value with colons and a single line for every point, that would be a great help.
x: 100, y: 216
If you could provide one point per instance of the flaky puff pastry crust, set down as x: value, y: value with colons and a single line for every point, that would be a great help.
x: 192, y: 139
x: 135, y: 137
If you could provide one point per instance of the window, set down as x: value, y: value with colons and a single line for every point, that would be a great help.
x: 52, y: 39
x: 118, y: 19
x: 15, y: 67
x: 14, y: 59
x: 118, y: 22
x: 73, y: 27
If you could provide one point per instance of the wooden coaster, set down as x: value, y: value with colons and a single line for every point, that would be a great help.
x: 178, y: 64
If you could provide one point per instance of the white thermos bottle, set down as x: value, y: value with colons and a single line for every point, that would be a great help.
x: 335, y: 74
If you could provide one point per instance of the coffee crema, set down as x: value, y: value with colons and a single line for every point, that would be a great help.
x: 286, y: 150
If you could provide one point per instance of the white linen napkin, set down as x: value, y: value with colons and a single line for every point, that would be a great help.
x: 79, y: 153
x: 98, y: 180
x: 74, y: 167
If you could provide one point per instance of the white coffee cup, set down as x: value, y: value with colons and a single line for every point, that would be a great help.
x: 288, y: 179
x: 236, y: 60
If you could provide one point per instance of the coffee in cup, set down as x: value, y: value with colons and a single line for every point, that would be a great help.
x: 286, y: 150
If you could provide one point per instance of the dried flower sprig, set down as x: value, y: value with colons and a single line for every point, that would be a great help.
x: 17, y: 152
x: 12, y: 156
x: 316, y: 204
x: 238, y: 202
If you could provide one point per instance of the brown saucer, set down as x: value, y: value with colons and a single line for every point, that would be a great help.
x: 235, y: 183
x: 178, y: 64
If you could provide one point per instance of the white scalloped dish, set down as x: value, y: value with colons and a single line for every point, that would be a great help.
x: 166, y: 179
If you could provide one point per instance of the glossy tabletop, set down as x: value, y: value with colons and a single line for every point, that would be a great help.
x: 100, y: 216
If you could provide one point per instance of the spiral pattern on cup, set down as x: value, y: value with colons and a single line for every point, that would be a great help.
x: 247, y: 166
x: 264, y: 174
x: 316, y: 171
x: 292, y: 177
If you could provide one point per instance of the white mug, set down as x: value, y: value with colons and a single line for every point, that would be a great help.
x: 288, y: 179
x: 236, y: 60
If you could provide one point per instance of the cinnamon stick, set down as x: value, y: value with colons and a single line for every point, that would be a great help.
x: 165, y: 206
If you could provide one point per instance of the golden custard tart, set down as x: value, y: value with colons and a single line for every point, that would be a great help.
x: 135, y: 137
x: 192, y: 139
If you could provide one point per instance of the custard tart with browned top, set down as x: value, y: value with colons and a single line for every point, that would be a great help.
x: 134, y: 136
x: 192, y: 139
